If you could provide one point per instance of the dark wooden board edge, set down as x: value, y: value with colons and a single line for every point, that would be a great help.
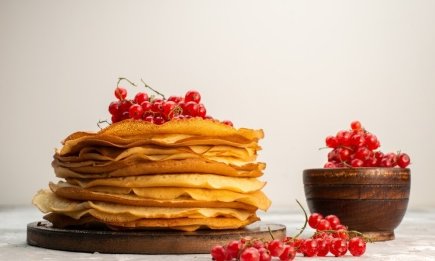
x: 42, y: 234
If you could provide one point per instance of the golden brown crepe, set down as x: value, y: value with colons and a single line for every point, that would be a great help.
x: 77, y: 193
x: 183, y: 224
x: 130, y: 167
x: 208, y: 181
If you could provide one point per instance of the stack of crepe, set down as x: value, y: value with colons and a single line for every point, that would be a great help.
x: 185, y: 174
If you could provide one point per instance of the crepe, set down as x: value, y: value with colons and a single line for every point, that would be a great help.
x: 164, y: 197
x: 47, y: 202
x: 208, y: 181
x: 135, y: 167
x: 77, y: 193
x: 177, y: 132
x: 183, y: 224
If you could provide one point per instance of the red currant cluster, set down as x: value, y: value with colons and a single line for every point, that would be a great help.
x: 330, y: 237
x: 357, y: 148
x: 248, y: 249
x: 157, y: 110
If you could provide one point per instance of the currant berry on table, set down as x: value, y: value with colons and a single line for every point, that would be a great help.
x: 330, y: 238
x: 358, y: 148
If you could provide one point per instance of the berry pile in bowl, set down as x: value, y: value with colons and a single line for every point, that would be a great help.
x: 360, y: 148
x: 367, y: 188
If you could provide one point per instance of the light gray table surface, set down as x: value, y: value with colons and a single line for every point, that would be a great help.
x: 415, y: 239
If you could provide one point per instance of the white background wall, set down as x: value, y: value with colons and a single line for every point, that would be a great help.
x: 301, y: 70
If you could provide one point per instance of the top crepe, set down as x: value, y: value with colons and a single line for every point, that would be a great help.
x: 176, y: 131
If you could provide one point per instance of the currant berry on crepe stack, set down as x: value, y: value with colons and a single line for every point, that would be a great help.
x: 157, y: 110
x: 358, y: 147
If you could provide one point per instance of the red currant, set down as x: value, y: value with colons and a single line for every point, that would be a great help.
x: 298, y: 244
x: 362, y: 153
x: 344, y: 138
x: 343, y: 154
x: 116, y: 118
x: 124, y: 106
x: 338, y: 247
x: 140, y: 97
x: 334, y: 221
x: 135, y: 111
x: 257, y: 244
x: 276, y: 247
x: 333, y: 155
x: 371, y: 162
x: 156, y: 106
x: 264, y: 254
x: 288, y: 254
x: 175, y: 99
x: 120, y: 93
x: 201, y: 111
x: 250, y: 254
x: 403, y: 160
x: 372, y: 141
x: 114, y: 108
x: 191, y: 108
x: 218, y: 253
x: 329, y: 165
x: 314, y: 220
x: 379, y: 155
x: 357, y: 163
x: 322, y: 247
x: 159, y: 120
x: 341, y: 233
x: 357, y: 140
x: 146, y: 106
x: 355, y: 125
x: 233, y: 248
x: 310, y: 247
x: 390, y: 159
x: 192, y: 95
x: 229, y: 123
x: 323, y: 225
x: 357, y: 246
x: 386, y: 163
x: 168, y: 109
x: 331, y: 142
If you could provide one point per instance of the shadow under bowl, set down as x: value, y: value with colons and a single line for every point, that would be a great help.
x: 370, y: 200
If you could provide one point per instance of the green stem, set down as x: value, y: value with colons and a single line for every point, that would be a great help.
x: 349, y: 232
x: 100, y: 121
x: 306, y: 220
x: 149, y: 87
x: 120, y: 79
x: 270, y: 232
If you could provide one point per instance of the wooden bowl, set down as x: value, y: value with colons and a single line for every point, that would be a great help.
x: 369, y: 200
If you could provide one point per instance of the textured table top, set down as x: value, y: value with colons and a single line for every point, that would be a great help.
x: 415, y: 239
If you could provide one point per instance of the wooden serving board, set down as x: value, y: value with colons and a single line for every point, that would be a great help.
x: 42, y: 234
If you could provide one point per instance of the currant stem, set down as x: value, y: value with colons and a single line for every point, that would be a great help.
x: 149, y: 87
x: 349, y: 232
x: 270, y: 232
x: 306, y: 220
x: 100, y: 122
x: 125, y: 79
